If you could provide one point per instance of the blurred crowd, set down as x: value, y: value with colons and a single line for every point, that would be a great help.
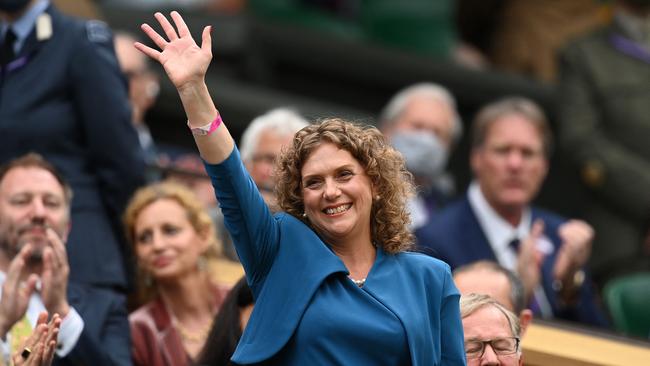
x: 121, y: 235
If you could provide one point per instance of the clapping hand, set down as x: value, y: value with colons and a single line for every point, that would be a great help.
x: 15, y: 291
x: 54, y: 276
x: 576, y: 236
x: 529, y: 259
x: 38, y: 349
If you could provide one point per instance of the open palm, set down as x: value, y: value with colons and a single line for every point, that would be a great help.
x: 184, y: 61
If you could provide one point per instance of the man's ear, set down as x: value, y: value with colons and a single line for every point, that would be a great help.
x: 525, y: 318
x: 474, y: 156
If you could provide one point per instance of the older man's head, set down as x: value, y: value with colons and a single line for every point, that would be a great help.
x: 492, y: 279
x: 492, y: 332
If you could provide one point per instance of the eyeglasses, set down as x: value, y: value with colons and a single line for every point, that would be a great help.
x: 500, y: 346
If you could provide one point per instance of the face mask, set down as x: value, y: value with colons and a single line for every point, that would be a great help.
x: 425, y: 155
x: 13, y: 6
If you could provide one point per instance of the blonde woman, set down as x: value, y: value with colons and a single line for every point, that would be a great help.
x: 173, y: 237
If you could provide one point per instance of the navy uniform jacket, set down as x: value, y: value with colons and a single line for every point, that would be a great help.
x: 66, y: 99
x: 105, y: 339
x: 456, y: 237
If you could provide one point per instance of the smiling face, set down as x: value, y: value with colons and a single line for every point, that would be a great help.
x: 510, y: 165
x: 31, y: 199
x: 166, y: 243
x: 337, y: 195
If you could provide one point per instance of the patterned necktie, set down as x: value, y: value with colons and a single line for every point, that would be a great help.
x: 7, y: 51
x: 19, y: 332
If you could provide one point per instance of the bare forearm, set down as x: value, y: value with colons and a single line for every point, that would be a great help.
x: 200, y: 110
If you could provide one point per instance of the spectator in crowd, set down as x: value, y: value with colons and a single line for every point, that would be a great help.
x: 38, y: 348
x: 492, y: 279
x: 187, y: 169
x: 492, y: 332
x: 261, y: 144
x: 603, y: 124
x: 173, y: 237
x: 143, y: 92
x: 34, y: 224
x: 228, y: 326
x: 529, y: 34
x: 511, y: 143
x: 422, y: 123
x: 63, y: 96
x: 309, y: 267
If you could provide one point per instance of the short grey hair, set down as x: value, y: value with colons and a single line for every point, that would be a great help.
x: 471, y: 303
x: 518, y: 106
x: 517, y: 296
x: 281, y: 121
x: 398, y: 102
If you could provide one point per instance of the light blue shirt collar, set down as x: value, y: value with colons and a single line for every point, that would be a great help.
x: 24, y: 25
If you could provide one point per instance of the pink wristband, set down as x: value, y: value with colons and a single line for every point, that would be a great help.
x: 206, y: 129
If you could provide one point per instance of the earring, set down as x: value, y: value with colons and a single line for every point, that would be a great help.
x: 202, y: 263
x: 304, y: 215
x: 147, y: 280
x: 377, y: 197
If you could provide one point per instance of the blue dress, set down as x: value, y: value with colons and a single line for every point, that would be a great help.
x: 308, y: 312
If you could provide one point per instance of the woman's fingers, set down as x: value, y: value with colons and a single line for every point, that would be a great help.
x: 148, y: 51
x: 166, y: 26
x: 183, y: 31
x: 206, y: 41
x: 154, y: 36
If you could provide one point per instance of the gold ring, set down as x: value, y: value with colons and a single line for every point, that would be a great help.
x: 25, y: 353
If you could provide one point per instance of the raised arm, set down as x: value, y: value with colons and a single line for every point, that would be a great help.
x: 186, y: 64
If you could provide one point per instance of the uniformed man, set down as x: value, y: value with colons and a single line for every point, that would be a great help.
x: 604, y: 127
x: 63, y: 96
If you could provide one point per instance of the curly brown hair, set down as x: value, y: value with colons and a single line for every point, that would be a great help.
x: 383, y: 164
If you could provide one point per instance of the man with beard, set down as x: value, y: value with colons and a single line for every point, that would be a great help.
x: 34, y: 224
x: 511, y: 142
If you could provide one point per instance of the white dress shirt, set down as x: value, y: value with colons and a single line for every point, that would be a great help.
x: 500, y: 233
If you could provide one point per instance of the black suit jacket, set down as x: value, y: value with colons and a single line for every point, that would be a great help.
x: 105, y: 338
x: 66, y: 99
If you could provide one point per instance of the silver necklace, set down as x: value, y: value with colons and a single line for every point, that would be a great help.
x: 359, y: 283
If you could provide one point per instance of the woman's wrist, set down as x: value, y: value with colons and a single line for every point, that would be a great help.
x: 197, y: 103
x: 192, y: 88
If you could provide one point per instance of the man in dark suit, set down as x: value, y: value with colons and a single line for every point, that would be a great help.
x: 495, y: 220
x: 62, y: 95
x: 34, y: 223
x: 604, y: 126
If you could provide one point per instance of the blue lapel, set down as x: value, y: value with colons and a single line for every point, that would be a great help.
x: 473, y: 239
